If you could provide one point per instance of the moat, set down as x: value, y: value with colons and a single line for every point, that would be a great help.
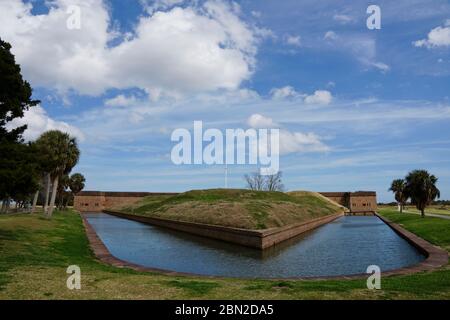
x: 345, y: 246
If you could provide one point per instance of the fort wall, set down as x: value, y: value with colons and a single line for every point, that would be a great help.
x: 97, y: 201
x: 356, y: 202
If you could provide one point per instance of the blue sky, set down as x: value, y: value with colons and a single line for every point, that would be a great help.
x: 358, y: 107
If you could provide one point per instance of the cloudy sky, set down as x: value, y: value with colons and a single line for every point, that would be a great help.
x: 356, y: 107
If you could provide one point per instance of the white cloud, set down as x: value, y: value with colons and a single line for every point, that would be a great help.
x: 121, y: 101
x: 154, y: 5
x: 257, y: 121
x: 293, y: 40
x: 437, y: 37
x: 319, y: 97
x: 38, y: 122
x: 290, y: 142
x: 383, y: 67
x: 235, y: 96
x: 283, y: 93
x: 343, y: 18
x: 293, y: 142
x: 256, y: 14
x: 182, y: 50
x: 330, y: 35
x: 50, y: 54
x: 288, y: 92
x: 364, y: 49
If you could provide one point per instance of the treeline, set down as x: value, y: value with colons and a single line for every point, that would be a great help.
x: 434, y: 203
x: 42, y: 166
x: 442, y: 202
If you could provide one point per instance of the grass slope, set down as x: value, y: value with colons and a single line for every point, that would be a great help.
x: 237, y: 208
x: 35, y: 252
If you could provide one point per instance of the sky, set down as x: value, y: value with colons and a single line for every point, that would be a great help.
x: 356, y: 107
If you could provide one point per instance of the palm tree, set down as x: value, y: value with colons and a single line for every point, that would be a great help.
x: 41, y: 170
x: 398, y: 187
x: 76, y: 183
x: 61, y: 155
x: 46, y: 160
x: 421, y: 187
x: 61, y: 194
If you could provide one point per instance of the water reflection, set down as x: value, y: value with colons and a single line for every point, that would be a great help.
x: 345, y: 246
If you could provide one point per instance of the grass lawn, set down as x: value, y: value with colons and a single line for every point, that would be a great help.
x: 35, y: 252
x: 237, y: 208
x: 431, y: 209
x: 436, y: 209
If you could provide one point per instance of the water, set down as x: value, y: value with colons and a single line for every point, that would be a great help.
x: 343, y: 247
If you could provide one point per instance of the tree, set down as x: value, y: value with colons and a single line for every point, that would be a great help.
x: 15, y: 94
x: 17, y: 174
x: 421, y: 188
x: 273, y: 182
x: 76, y: 183
x: 398, y: 187
x: 41, y: 170
x: 61, y: 155
x: 62, y: 195
x: 256, y: 181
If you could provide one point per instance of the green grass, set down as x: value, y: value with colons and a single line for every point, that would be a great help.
x: 237, y: 208
x: 194, y: 287
x: 35, y: 252
x: 434, y: 230
x: 435, y: 209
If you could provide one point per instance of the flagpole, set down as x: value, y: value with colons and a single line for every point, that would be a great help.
x: 226, y: 176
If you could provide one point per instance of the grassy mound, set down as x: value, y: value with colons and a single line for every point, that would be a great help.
x: 237, y: 208
x: 318, y: 195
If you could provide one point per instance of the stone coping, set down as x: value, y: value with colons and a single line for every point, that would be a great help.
x: 435, y: 258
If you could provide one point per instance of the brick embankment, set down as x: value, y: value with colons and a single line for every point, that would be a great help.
x: 435, y: 256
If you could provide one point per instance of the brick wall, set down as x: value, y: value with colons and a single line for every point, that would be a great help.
x: 359, y: 201
x: 339, y: 197
x: 92, y: 203
x: 97, y: 201
x: 363, y: 203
